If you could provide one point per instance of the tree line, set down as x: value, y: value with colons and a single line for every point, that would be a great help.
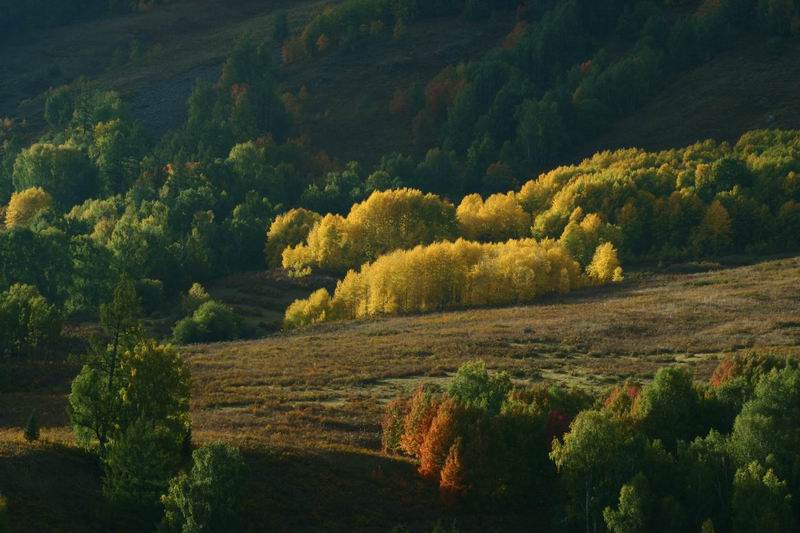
x: 670, y: 455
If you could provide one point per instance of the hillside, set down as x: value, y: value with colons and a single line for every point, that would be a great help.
x: 306, y: 405
x: 399, y: 265
x: 745, y: 88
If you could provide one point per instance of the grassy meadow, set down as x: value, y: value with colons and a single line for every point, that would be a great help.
x: 305, y: 406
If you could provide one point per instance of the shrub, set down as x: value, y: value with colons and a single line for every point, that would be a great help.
x: 207, y: 498
x: 211, y: 322
x: 196, y: 297
x: 29, y: 323
x: 31, y: 432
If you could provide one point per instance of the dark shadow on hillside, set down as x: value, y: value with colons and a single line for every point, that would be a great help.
x: 328, y: 490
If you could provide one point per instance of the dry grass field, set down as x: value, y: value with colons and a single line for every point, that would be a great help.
x: 305, y: 406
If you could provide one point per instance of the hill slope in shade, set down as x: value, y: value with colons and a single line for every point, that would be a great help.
x: 744, y: 89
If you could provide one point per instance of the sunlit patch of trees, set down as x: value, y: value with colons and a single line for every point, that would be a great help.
x: 670, y: 455
x: 449, y: 275
x: 706, y: 199
x: 386, y: 221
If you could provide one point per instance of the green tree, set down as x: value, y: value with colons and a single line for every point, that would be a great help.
x: 669, y: 407
x: 29, y: 323
x: 207, y: 498
x: 768, y: 428
x: 761, y: 501
x: 151, y: 383
x: 594, y: 459
x: 472, y: 386
x: 541, y: 134
x: 631, y: 514
x: 138, y: 465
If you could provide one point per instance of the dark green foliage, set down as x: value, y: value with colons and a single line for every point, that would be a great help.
x: 30, y: 325
x: 632, y: 513
x: 761, y: 501
x: 137, y: 467
x: 669, y: 408
x: 150, y: 293
x: 20, y: 17
x: 207, y: 497
x: 31, y: 432
x: 211, y: 322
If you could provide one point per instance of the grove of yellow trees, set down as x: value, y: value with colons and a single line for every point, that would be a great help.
x: 447, y: 275
x: 386, y: 221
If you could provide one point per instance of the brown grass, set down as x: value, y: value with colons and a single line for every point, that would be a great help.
x: 305, y: 406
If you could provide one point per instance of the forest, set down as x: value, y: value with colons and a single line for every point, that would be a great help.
x: 115, y: 241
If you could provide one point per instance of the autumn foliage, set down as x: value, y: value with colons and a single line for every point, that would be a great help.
x: 447, y: 275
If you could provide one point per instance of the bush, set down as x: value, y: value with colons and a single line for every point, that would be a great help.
x: 211, y: 322
x: 29, y: 323
x: 207, y: 498
x: 196, y: 297
x: 31, y: 432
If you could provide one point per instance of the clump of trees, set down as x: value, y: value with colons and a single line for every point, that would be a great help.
x: 673, y: 454
x: 497, y: 219
x: 30, y: 324
x: 449, y: 275
x: 130, y: 403
x: 386, y: 221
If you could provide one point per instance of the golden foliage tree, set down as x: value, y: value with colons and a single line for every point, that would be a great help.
x: 25, y: 205
x: 605, y: 266
x: 497, y: 219
x: 288, y: 229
